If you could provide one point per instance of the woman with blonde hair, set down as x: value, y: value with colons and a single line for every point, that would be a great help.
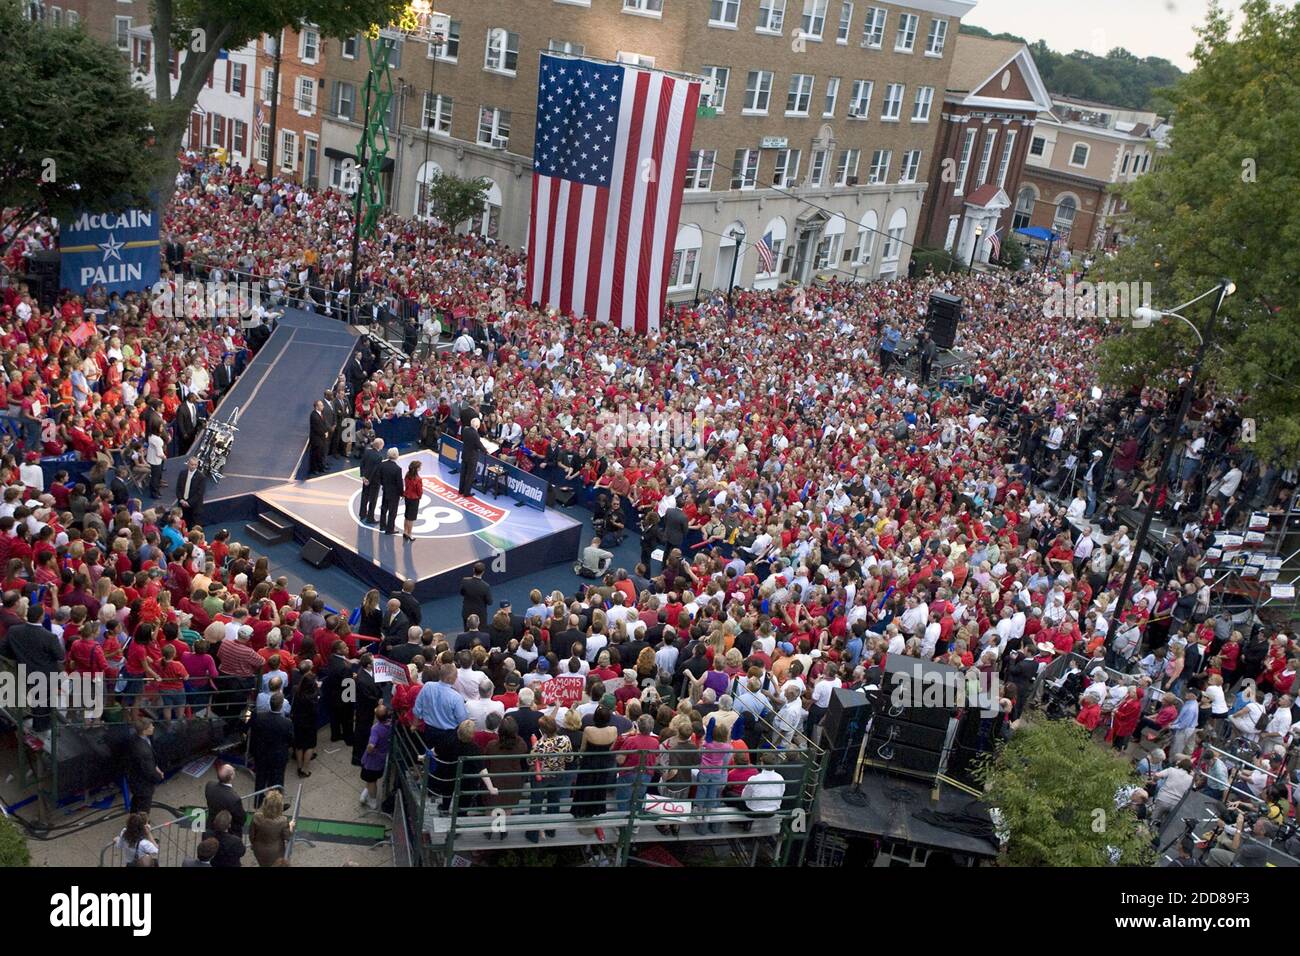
x: 270, y: 831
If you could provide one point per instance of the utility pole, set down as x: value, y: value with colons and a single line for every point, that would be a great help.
x: 275, y: 105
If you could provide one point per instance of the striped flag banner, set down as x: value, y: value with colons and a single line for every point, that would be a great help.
x: 995, y: 245
x: 609, y: 157
x: 764, y: 249
x: 257, y: 124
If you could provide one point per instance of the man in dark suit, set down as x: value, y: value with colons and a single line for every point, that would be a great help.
x: 142, y: 771
x: 223, y: 378
x: 341, y: 413
x: 119, y: 485
x: 466, y: 640
x: 371, y: 459
x: 395, y: 624
x: 36, y: 648
x: 220, y: 795
x: 186, y: 423
x: 410, y: 606
x: 675, y: 527
x: 270, y: 738
x: 333, y: 686
x: 562, y: 643
x: 355, y: 373
x: 318, y: 441
x: 471, y: 449
x: 368, y: 695
x: 331, y: 421
x: 475, y: 594
x: 390, y: 486
x: 191, y: 484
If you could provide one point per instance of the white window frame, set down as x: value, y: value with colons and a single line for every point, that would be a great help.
x: 963, y: 165
x: 635, y: 59
x: 762, y: 90
x: 690, y: 257
x: 440, y: 100
x: 986, y: 157
x: 303, y: 45
x: 448, y: 51
x: 873, y: 28
x: 905, y: 38
x: 817, y: 168
x: 288, y: 149
x: 860, y: 103
x: 911, y: 166
x: 745, y: 169
x: 1087, y: 154
x: 721, y: 76
x: 844, y: 29
x: 336, y: 105
x: 722, y: 22
x: 924, y: 98
x: 894, y: 115
x: 498, y: 51
x: 343, y: 47
x: 881, y: 160
x: 937, y: 38
x: 121, y: 33
x: 771, y: 16
x: 893, y: 245
x: 494, y: 128
x: 700, y: 165
x: 1038, y: 146
x: 264, y: 89
x: 644, y: 8
x: 846, y: 167
x: 798, y: 99
x: 74, y: 17
x: 305, y: 105
x: 567, y: 47
x: 1004, y: 164
x: 238, y: 131
x: 814, y: 15
x: 785, y: 173
x: 832, y: 97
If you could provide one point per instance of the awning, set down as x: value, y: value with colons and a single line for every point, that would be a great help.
x: 1039, y: 232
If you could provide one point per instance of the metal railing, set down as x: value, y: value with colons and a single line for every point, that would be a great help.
x: 477, y: 803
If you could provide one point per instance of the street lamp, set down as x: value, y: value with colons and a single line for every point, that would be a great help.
x: 974, y: 249
x: 737, y: 236
x: 1143, y: 318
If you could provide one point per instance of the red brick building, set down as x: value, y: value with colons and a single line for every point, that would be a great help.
x: 993, y: 97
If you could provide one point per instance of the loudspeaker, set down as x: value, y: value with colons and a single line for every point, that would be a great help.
x: 843, y: 728
x: 942, y: 318
x: 924, y: 736
x: 316, y: 554
x: 898, y: 756
x: 43, y: 276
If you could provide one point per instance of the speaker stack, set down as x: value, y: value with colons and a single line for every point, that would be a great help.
x: 43, y: 267
x: 843, y: 729
x: 942, y: 318
x: 916, y: 721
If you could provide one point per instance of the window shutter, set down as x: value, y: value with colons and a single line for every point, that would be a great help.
x: 243, y: 138
x: 230, y: 69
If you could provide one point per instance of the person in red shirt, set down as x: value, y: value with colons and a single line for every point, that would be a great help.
x: 1089, y: 713
x: 171, y: 684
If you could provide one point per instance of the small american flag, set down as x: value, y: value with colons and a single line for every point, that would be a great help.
x: 764, y: 249
x: 257, y: 124
x: 995, y: 245
x: 609, y: 158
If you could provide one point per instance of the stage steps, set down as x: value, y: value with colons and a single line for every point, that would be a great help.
x: 270, y: 529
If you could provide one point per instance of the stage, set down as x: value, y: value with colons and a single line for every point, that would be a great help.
x: 451, y: 532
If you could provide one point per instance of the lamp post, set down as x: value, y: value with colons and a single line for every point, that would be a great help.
x: 1142, y: 319
x: 974, y: 249
x: 736, y: 236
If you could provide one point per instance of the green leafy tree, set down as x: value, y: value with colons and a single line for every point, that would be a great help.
x: 454, y: 200
x: 203, y: 28
x: 1013, y: 253
x: 1222, y: 204
x: 75, y: 133
x: 1055, y: 789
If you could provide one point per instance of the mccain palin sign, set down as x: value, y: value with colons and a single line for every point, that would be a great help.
x: 115, y: 250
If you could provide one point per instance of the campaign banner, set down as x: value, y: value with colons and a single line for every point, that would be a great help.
x: 386, y: 670
x: 565, y: 689
x: 523, y: 487
x: 118, y: 251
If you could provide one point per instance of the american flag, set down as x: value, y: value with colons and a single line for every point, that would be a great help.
x: 995, y: 245
x: 609, y: 158
x: 764, y: 249
x: 257, y: 124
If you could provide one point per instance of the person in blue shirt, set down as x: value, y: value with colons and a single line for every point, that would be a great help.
x: 853, y: 648
x: 889, y: 338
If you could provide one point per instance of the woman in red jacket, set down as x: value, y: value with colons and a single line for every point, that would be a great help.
x: 1125, y: 720
x: 412, y: 492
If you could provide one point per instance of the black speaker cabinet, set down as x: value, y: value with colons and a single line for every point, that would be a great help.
x: 843, y: 728
x: 942, y: 318
x: 316, y: 554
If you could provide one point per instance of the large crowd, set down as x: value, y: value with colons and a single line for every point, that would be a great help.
x: 807, y: 503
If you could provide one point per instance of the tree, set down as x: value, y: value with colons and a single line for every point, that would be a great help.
x: 1055, y: 789
x: 1013, y: 253
x: 454, y: 200
x: 203, y: 28
x: 1221, y: 203
x: 76, y: 135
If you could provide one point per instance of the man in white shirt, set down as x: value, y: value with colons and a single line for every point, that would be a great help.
x: 479, y: 708
x: 915, y: 618
x: 790, y: 718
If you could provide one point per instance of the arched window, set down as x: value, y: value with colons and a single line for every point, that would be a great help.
x: 774, y: 235
x: 425, y: 175
x: 1066, y: 207
x: 894, y: 236
x: 1025, y: 200
x: 831, y: 242
x: 866, y: 244
x: 490, y: 223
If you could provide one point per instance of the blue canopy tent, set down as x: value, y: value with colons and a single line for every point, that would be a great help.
x: 1042, y: 234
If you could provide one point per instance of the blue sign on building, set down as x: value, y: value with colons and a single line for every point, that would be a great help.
x: 116, y: 250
